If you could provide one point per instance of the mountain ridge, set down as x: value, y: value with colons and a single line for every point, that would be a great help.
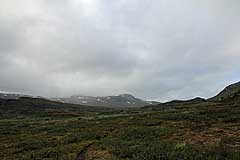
x: 231, y: 91
x: 121, y: 100
x: 230, y: 94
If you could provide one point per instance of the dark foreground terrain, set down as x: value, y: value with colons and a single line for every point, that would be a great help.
x: 180, y: 130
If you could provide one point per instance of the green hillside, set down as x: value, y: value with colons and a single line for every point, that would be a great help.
x: 230, y: 92
x: 26, y: 106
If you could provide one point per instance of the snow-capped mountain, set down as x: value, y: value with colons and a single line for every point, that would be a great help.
x: 122, y: 100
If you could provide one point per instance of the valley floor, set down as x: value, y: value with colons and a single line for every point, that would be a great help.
x: 196, y: 132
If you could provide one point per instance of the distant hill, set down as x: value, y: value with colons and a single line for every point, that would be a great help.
x: 17, y: 96
x: 39, y: 106
x: 230, y: 92
x: 186, y: 102
x: 174, y: 103
x: 122, y: 100
x: 12, y: 95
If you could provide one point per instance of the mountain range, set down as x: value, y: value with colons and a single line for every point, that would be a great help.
x: 230, y: 93
x: 122, y: 100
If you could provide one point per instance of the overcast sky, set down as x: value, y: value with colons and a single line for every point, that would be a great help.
x: 154, y: 49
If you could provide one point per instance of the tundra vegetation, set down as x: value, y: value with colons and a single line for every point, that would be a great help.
x: 40, y: 129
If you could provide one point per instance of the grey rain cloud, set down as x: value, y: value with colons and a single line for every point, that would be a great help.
x: 157, y: 50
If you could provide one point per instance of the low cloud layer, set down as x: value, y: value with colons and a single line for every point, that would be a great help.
x: 157, y: 50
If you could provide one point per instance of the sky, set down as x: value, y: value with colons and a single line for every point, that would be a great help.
x: 155, y: 50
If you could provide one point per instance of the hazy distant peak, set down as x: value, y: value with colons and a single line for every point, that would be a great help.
x: 127, y: 95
